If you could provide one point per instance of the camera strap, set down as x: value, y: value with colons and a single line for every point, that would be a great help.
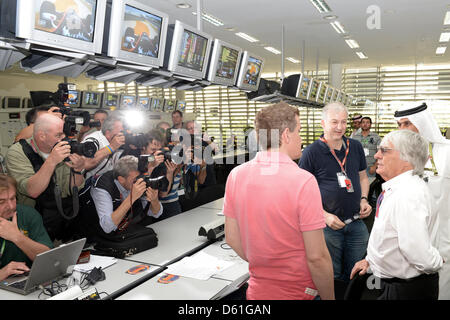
x: 37, y: 162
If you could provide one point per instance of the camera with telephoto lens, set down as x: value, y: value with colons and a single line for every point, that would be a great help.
x: 157, y: 180
x: 87, y: 148
x: 139, y: 140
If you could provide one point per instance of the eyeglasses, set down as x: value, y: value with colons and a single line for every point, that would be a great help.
x: 384, y: 149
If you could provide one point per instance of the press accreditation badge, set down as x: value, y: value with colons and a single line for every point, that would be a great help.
x: 344, y: 182
x: 366, y: 152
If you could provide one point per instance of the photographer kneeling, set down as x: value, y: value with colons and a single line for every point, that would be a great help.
x: 121, y: 200
x: 45, y: 179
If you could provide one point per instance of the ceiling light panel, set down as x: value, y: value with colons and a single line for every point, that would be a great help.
x: 447, y: 18
x: 338, y: 27
x: 273, y: 50
x: 292, y: 60
x: 440, y: 50
x: 445, y: 37
x: 210, y: 18
x: 246, y: 37
x: 352, y: 43
x: 361, y: 55
x: 321, y: 6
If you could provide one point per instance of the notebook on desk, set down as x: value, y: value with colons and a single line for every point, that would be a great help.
x: 47, y: 267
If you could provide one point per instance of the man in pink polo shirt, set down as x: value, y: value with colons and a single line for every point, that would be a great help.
x: 274, y: 215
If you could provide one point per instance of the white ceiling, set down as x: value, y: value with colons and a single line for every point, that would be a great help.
x: 409, y: 30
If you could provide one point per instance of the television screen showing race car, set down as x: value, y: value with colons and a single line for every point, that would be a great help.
x: 141, y: 32
x: 69, y: 18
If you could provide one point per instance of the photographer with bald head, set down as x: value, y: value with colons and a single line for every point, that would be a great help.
x: 42, y: 174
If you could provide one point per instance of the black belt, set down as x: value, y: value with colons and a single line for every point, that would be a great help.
x: 409, y: 280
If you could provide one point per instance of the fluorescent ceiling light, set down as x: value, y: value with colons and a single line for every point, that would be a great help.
x: 338, y: 27
x: 352, y: 43
x: 361, y: 55
x: 447, y: 18
x: 246, y: 37
x: 320, y: 5
x: 273, y: 50
x: 445, y: 37
x: 210, y: 18
x: 441, y: 50
x: 292, y: 60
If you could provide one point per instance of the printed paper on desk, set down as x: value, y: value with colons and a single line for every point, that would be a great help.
x: 201, y: 266
x: 95, y: 261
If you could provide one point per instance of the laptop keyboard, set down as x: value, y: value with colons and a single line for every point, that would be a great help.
x: 19, y: 284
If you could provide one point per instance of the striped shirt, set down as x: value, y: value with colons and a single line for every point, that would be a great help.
x: 173, y: 194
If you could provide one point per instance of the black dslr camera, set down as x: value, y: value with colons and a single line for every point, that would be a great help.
x: 87, y: 149
x: 157, y: 179
x: 139, y: 140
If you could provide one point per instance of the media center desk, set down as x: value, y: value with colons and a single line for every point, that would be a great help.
x: 184, y: 288
x: 177, y: 236
x: 216, y: 205
x: 116, y: 278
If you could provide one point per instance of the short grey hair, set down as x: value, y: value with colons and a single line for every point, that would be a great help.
x: 333, y: 106
x: 108, y: 125
x: 124, y: 166
x: 413, y: 148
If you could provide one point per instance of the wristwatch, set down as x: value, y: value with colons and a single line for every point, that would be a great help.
x: 364, y: 198
x: 81, y: 173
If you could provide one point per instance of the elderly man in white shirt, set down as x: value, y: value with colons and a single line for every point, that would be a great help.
x: 419, y: 119
x: 402, y: 245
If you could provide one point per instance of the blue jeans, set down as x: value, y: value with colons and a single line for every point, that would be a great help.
x: 346, y: 246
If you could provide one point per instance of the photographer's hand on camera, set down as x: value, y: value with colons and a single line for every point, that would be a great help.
x: 159, y: 158
x: 138, y: 189
x: 59, y: 152
x: 152, y: 197
x: 117, y: 141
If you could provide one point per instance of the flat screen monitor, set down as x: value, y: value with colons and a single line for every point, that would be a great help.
x: 224, y: 64
x: 181, y: 105
x: 73, y: 98
x: 340, y: 97
x: 303, y: 86
x: 127, y: 101
x: 335, y: 95
x: 313, y: 89
x: 27, y: 103
x: 137, y: 33
x: 12, y: 102
x: 189, y: 51
x: 329, y: 94
x: 322, y: 92
x: 250, y: 72
x: 74, y: 25
x: 157, y: 104
x: 110, y: 100
x: 170, y: 105
x: 91, y: 99
x: 144, y: 103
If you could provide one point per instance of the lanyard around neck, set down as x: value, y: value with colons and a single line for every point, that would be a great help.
x: 3, y: 248
x: 341, y: 164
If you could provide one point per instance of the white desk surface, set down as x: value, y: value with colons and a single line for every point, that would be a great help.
x: 180, y: 289
x: 236, y: 271
x: 216, y: 204
x: 176, y: 236
x: 115, y: 279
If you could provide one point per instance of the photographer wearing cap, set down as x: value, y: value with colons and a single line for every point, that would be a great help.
x: 45, y: 180
x: 122, y: 199
x: 109, y: 140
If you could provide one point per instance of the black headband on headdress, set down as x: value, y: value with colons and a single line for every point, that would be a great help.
x: 403, y: 113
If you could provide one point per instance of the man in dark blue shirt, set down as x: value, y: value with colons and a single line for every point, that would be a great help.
x: 339, y: 165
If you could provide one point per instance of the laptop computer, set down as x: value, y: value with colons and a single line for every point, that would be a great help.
x: 47, y: 267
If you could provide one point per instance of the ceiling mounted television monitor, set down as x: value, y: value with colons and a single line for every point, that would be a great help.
x: 181, y: 105
x: 170, y: 105
x: 322, y: 92
x: 329, y: 94
x: 144, y: 103
x: 303, y: 86
x: 189, y: 51
x: 137, y: 33
x: 12, y: 102
x: 335, y: 95
x: 249, y: 72
x: 62, y: 24
x: 224, y: 64
x: 313, y: 89
x: 127, y: 101
x: 110, y: 100
x: 157, y: 104
x: 91, y: 99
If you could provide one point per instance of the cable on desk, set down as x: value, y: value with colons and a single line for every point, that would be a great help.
x: 225, y: 246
